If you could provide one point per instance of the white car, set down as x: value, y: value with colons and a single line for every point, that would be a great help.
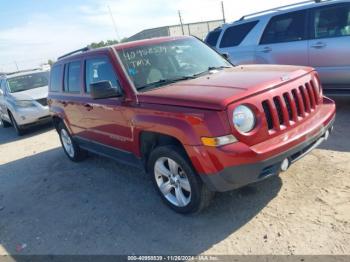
x: 23, y: 99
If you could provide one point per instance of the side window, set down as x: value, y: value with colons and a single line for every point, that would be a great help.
x: 100, y: 69
x: 212, y: 37
x: 234, y: 35
x: 3, y: 85
x: 72, y: 77
x: 285, y: 28
x: 56, y: 78
x: 332, y: 22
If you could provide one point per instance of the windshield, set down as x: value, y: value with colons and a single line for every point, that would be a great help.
x: 26, y: 82
x: 159, y: 64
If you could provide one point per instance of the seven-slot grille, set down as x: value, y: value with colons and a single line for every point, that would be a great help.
x: 42, y: 101
x: 291, y: 106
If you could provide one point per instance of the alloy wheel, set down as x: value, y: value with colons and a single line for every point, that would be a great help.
x: 172, y: 182
x: 67, y: 142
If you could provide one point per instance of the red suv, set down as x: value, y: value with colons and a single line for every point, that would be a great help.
x: 195, y: 122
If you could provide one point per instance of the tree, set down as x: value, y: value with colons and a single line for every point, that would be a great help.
x: 50, y: 62
x: 103, y: 43
x: 123, y: 40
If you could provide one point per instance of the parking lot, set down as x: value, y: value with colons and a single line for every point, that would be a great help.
x: 49, y: 205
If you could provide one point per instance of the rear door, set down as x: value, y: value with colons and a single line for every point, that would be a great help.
x: 329, y: 46
x: 72, y: 92
x: 284, y: 40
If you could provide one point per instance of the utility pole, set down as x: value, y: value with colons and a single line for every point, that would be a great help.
x: 182, y: 26
x: 113, y: 21
x: 223, y: 11
x: 16, y: 66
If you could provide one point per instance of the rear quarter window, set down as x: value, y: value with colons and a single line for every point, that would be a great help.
x: 212, y: 37
x: 234, y: 35
x: 56, y: 78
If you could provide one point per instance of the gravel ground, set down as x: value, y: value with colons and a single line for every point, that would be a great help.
x: 49, y: 205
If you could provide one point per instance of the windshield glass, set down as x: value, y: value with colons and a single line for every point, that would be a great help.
x: 26, y: 82
x: 169, y: 61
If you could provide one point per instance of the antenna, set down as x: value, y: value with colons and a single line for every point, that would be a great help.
x: 113, y: 21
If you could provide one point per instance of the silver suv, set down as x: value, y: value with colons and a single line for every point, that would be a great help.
x: 311, y: 33
x: 23, y: 99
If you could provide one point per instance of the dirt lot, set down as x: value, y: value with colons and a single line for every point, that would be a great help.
x: 49, y: 205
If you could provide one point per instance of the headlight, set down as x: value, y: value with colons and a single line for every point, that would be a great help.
x: 243, y: 119
x: 24, y: 103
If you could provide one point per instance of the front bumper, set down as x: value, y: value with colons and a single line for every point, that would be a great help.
x: 32, y: 116
x: 235, y: 165
x: 237, y: 176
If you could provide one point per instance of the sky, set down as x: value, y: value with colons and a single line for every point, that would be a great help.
x: 33, y: 31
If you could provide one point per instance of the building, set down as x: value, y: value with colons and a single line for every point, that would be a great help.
x: 199, y: 29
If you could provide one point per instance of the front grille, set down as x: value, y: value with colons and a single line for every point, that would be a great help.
x: 42, y: 101
x: 291, y: 106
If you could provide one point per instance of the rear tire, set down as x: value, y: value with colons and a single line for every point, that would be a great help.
x: 176, y: 181
x: 70, y: 147
x: 18, y: 128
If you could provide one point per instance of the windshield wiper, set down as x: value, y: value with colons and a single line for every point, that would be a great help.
x: 217, y: 67
x: 210, y: 68
x: 165, y: 82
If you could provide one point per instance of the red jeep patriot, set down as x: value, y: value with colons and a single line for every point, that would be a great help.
x: 195, y: 122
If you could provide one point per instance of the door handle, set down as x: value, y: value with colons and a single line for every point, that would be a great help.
x: 88, y: 107
x: 266, y: 49
x: 319, y: 45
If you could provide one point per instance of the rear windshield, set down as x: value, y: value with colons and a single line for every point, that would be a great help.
x: 26, y: 82
x: 212, y: 37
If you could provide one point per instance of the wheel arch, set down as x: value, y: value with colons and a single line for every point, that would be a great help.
x: 149, y: 140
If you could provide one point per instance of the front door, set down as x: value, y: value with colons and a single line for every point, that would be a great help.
x: 284, y: 40
x: 104, y: 120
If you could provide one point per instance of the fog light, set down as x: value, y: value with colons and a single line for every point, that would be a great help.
x: 285, y: 164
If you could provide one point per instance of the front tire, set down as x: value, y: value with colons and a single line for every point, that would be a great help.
x: 18, y: 128
x: 70, y: 147
x: 4, y: 123
x: 176, y: 181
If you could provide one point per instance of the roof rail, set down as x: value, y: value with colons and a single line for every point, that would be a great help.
x: 276, y: 9
x: 74, y: 52
x: 23, y: 71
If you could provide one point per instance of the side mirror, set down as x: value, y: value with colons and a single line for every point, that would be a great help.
x: 225, y: 55
x: 103, y: 89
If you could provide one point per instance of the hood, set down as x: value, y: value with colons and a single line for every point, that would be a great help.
x: 31, y: 94
x: 217, y: 90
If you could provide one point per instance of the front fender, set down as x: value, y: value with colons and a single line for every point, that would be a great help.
x: 181, y: 129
